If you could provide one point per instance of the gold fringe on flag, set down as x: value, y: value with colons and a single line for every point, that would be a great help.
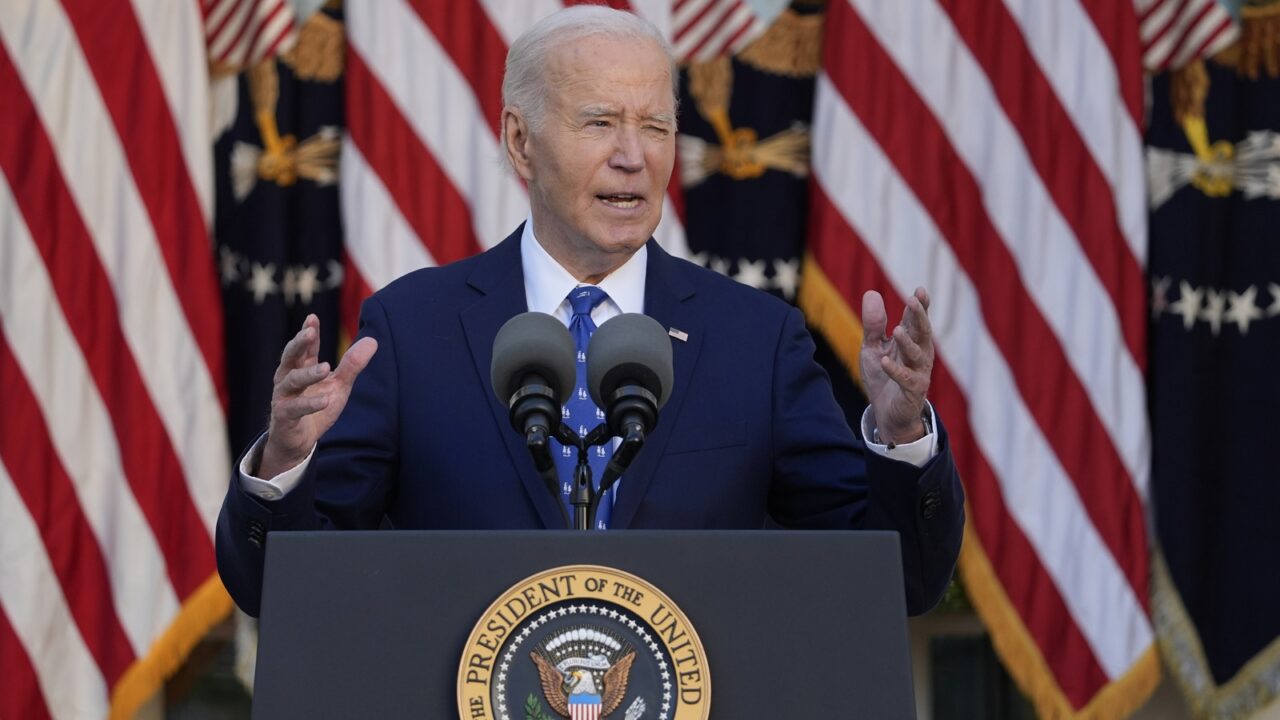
x: 1022, y: 657
x: 207, y: 606
x: 827, y: 312
x: 1253, y: 687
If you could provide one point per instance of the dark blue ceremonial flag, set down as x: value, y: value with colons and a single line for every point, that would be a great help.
x: 1214, y: 388
x: 744, y: 165
x: 277, y: 220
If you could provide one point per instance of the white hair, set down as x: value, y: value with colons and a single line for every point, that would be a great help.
x: 524, y: 83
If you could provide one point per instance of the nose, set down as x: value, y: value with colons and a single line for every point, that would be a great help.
x: 628, y: 153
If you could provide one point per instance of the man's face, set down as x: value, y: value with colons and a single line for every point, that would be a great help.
x: 598, y: 166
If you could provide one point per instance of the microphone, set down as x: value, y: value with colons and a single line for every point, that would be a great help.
x: 629, y: 375
x: 533, y: 373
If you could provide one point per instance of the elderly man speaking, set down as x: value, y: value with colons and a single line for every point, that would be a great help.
x: 407, y: 430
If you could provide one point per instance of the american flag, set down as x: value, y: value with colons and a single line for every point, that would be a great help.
x: 239, y: 33
x: 992, y: 152
x: 1175, y: 32
x: 705, y: 29
x: 113, y: 454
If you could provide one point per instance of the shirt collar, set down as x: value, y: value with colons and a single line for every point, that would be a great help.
x: 547, y: 283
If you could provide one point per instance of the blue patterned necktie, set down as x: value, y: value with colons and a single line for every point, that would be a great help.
x: 580, y: 413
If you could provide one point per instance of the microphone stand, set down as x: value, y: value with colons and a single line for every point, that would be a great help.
x: 584, y: 497
x: 631, y: 403
x: 632, y: 408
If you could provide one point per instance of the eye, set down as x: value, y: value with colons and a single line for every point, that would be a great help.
x: 598, y: 124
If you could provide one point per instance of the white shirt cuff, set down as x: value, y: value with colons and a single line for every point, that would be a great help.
x: 278, y: 486
x: 917, y: 453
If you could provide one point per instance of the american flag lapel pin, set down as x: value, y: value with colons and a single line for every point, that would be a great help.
x: 680, y: 335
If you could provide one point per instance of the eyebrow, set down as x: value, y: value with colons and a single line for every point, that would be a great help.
x: 605, y: 112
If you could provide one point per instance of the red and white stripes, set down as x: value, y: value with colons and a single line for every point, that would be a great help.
x: 1175, y: 32
x: 993, y: 155
x: 705, y: 29
x: 240, y: 33
x: 424, y: 178
x: 113, y: 455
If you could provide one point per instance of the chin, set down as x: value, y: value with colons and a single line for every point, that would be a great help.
x: 628, y: 246
x: 616, y: 240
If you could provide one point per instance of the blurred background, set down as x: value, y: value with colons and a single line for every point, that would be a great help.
x: 1090, y: 189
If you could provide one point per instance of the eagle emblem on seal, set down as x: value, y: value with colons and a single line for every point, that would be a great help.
x: 584, y: 672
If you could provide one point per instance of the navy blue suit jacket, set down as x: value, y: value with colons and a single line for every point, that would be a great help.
x: 751, y: 431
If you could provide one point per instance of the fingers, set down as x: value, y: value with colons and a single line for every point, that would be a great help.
x: 916, y: 313
x: 914, y: 382
x: 313, y: 339
x: 915, y: 320
x: 301, y: 350
x: 299, y: 407
x: 355, y: 360
x: 874, y: 318
x: 913, y: 354
x: 299, y: 379
x: 313, y: 387
x: 923, y: 296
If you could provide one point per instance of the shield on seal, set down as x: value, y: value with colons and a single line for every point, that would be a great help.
x: 584, y: 706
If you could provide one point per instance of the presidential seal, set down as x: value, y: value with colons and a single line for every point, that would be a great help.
x: 583, y: 642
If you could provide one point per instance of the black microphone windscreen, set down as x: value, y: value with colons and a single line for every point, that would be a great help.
x: 533, y: 343
x: 629, y: 349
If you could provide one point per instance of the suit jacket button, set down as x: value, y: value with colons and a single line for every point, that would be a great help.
x: 929, y: 504
x: 256, y: 533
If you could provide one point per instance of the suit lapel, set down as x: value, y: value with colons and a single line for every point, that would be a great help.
x: 667, y: 293
x: 498, y: 276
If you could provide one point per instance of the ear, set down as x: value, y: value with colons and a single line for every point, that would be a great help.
x: 515, y: 136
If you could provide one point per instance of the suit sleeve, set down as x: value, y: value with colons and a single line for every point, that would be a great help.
x: 824, y: 477
x: 346, y: 486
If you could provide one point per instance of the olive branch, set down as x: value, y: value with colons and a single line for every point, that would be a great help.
x: 533, y: 709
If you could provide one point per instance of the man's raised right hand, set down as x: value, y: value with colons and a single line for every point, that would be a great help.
x: 308, y: 398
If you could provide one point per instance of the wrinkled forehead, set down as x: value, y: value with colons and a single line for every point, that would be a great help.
x: 606, y: 65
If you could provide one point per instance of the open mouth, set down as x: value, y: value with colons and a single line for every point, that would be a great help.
x: 622, y: 201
